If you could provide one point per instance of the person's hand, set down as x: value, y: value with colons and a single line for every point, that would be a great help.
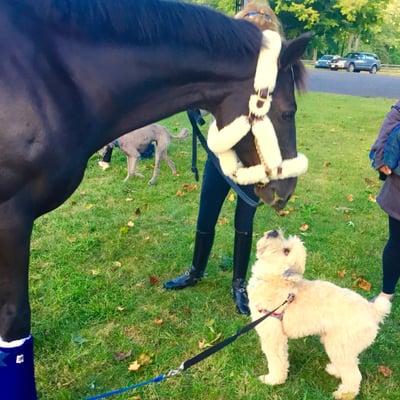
x: 385, y: 170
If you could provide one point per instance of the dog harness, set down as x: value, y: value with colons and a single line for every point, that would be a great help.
x: 277, y: 315
x: 221, y: 141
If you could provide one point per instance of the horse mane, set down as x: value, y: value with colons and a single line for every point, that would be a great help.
x: 151, y: 22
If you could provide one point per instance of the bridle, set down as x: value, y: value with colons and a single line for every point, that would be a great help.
x: 221, y: 142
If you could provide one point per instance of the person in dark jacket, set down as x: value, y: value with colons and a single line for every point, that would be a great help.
x: 389, y: 200
x: 213, y: 193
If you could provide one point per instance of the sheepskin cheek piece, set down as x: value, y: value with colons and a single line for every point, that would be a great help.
x: 221, y: 142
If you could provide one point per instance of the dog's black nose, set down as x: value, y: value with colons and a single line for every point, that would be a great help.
x: 273, y: 234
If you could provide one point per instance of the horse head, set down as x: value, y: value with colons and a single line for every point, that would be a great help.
x: 266, y: 152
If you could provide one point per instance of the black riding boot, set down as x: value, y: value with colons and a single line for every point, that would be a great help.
x: 241, y: 257
x: 202, y: 248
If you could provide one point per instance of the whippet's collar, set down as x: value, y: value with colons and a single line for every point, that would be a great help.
x: 221, y: 141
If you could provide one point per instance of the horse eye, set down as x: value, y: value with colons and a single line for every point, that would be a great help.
x: 286, y: 251
x: 288, y: 115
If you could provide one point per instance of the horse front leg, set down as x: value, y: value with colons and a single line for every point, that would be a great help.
x: 17, y: 380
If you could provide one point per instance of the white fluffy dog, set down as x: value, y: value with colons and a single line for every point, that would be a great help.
x: 346, y: 322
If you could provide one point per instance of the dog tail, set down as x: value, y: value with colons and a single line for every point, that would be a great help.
x: 183, y: 134
x: 382, y: 306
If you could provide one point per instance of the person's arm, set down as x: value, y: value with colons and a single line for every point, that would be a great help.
x: 392, y: 119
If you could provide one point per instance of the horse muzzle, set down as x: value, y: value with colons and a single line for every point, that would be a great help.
x: 276, y: 193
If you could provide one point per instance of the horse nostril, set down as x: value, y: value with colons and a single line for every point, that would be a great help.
x: 273, y: 234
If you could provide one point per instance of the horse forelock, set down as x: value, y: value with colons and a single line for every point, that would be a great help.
x: 150, y: 22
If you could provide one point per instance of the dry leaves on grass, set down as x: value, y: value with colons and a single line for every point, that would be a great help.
x: 130, y: 224
x: 120, y: 308
x: 122, y: 355
x: 179, y: 193
x: 231, y: 197
x: 190, y: 187
x: 117, y: 264
x: 143, y: 359
x: 304, y: 227
x: 222, y: 221
x: 363, y: 284
x: 203, y: 344
x: 327, y: 164
x: 283, y: 213
x: 350, y: 197
x: 154, y: 280
x: 385, y: 371
x: 342, y: 273
x: 158, y: 321
x: 372, y: 198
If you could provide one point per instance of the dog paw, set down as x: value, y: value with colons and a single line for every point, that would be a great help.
x: 271, y: 380
x: 151, y: 182
x: 342, y: 394
x: 139, y: 175
x: 331, y: 370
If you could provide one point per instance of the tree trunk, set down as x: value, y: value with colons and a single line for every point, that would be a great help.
x: 315, y: 54
x: 357, y: 43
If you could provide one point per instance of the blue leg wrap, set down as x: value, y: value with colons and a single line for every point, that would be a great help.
x: 17, y: 377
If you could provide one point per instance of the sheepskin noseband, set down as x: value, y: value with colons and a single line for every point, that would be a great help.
x: 221, y: 141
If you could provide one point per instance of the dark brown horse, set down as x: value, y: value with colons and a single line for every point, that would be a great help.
x: 74, y: 75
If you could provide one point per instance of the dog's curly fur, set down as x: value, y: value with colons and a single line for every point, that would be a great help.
x: 346, y: 322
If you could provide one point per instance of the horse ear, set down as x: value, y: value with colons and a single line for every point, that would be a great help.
x: 293, y: 50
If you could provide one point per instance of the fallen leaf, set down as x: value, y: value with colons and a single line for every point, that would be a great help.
x: 120, y: 308
x: 372, y: 198
x: 363, y: 284
x: 131, y: 224
x: 89, y: 206
x: 158, y: 321
x: 342, y: 273
x: 327, y: 164
x: 349, y: 197
x: 304, y: 227
x: 190, y: 187
x: 370, y: 182
x: 147, y: 238
x: 231, y: 197
x: 144, y: 359
x: 129, y: 199
x: 222, y: 221
x: 135, y: 398
x: 351, y: 223
x: 179, y: 193
x: 153, y: 280
x: 385, y: 371
x: 117, y: 264
x: 122, y: 355
x: 203, y: 344
x: 283, y: 213
x: 95, y: 272
x: 124, y: 230
x: 134, y: 366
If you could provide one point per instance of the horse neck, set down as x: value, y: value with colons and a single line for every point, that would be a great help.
x: 131, y: 87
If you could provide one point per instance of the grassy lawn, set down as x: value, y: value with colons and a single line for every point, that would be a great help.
x: 96, y: 282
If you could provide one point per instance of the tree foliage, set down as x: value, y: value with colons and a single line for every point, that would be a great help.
x: 339, y: 25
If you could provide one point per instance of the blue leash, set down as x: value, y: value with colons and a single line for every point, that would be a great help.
x: 197, y: 358
x: 157, y: 379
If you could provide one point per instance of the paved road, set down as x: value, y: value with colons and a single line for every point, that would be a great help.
x: 356, y: 84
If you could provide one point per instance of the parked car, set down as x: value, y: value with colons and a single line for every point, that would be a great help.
x: 324, y: 61
x: 338, y: 63
x: 358, y: 61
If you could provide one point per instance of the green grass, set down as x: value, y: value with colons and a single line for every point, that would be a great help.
x: 86, y: 306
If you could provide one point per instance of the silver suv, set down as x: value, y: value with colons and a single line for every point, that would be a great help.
x: 360, y: 61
